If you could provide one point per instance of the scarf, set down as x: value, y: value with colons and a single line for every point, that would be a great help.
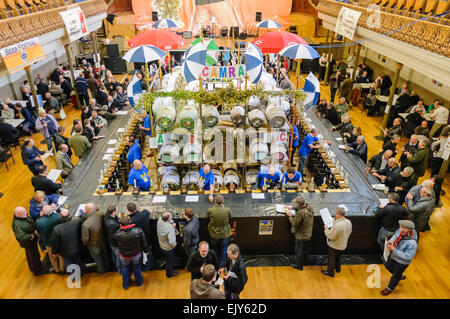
x: 400, y: 237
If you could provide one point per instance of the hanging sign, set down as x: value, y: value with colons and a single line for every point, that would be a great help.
x: 22, y: 54
x: 347, y: 22
x: 75, y: 23
x: 223, y: 72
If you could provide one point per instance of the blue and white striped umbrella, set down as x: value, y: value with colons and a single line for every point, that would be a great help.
x: 194, y: 62
x: 299, y: 51
x: 144, y: 53
x: 268, y: 24
x: 165, y: 24
x: 312, y: 91
x: 253, y: 63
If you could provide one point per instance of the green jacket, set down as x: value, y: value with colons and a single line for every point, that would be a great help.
x: 303, y: 222
x: 219, y: 222
x: 44, y: 226
x: 23, y: 229
x: 79, y: 143
x: 419, y: 161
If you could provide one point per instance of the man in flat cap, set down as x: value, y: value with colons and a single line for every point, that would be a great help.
x: 403, y: 247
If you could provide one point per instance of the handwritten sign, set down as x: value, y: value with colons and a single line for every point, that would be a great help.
x: 347, y: 22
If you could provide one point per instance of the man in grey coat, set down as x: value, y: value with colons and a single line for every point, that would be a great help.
x: 420, y: 210
x: 165, y: 229
x: 302, y: 225
x: 190, y: 232
x: 337, y: 238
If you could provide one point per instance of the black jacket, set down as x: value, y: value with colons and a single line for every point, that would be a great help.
x: 195, y: 262
x: 406, y: 183
x: 67, y: 88
x: 393, y: 177
x: 142, y: 220
x: 8, y: 133
x: 115, y: 104
x: 131, y: 241
x: 112, y: 226
x: 101, y: 98
x: 332, y: 116
x: 42, y: 183
x: 375, y: 161
x: 390, y: 215
x: 66, y: 240
x: 89, y: 134
x: 236, y: 285
x: 345, y: 127
x: 390, y: 146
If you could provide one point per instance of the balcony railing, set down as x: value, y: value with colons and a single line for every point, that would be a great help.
x: 421, y: 33
x: 20, y: 28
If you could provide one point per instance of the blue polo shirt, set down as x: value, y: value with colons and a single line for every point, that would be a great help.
x: 294, y: 141
x: 208, y: 179
x: 267, y: 178
x: 135, y: 152
x: 147, y: 125
x: 305, y: 149
x: 297, y: 178
x: 141, y: 177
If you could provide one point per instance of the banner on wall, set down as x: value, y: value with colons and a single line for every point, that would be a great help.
x: 347, y: 22
x: 75, y: 23
x: 191, y: 15
x: 22, y: 54
x: 223, y: 72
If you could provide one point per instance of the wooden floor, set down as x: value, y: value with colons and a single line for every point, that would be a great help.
x: 428, y: 275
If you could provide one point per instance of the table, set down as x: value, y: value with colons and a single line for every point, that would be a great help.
x: 15, y: 122
x: 427, y: 116
x: 248, y: 213
x: 363, y: 85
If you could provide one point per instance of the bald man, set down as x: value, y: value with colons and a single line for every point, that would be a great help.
x: 270, y: 178
x: 138, y: 176
x: 24, y: 229
x: 390, y: 175
x: 207, y: 180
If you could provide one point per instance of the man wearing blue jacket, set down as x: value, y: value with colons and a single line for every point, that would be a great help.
x: 270, y: 178
x: 139, y: 174
x: 295, y: 140
x: 403, y: 247
x: 39, y: 201
x: 135, y: 152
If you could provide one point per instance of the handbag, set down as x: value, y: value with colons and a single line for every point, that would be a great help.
x: 62, y: 114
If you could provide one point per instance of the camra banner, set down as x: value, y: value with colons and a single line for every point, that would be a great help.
x: 191, y: 15
x: 22, y: 54
x: 347, y: 22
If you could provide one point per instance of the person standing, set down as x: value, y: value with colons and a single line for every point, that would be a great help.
x: 419, y: 159
x: 79, y: 143
x: 234, y: 285
x: 48, y: 126
x: 308, y: 144
x: 112, y: 226
x: 82, y: 87
x: 389, y: 216
x: 335, y: 83
x: 138, y: 176
x: 207, y: 180
x: 61, y: 139
x: 403, y: 247
x: 141, y: 218
x: 92, y: 236
x: 131, y: 242
x: 295, y: 140
x: 63, y: 161
x: 135, y: 151
x: 24, y: 229
x: 346, y: 86
x: 203, y: 287
x: 420, y: 210
x: 302, y: 225
x: 44, y: 226
x: 219, y: 228
x: 190, y: 234
x: 66, y: 241
x: 165, y: 228
x: 40, y: 182
x: 199, y: 258
x: 407, y: 181
x: 337, y: 239
x: 438, y: 148
x: 440, y: 115
x: 322, y: 66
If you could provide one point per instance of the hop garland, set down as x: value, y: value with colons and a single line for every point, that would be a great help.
x: 227, y: 97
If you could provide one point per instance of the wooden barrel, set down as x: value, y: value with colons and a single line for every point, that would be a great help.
x: 217, y: 177
x: 210, y: 116
x: 250, y: 178
x: 192, y: 152
x: 285, y: 106
x: 256, y: 118
x: 275, y: 116
x: 191, y: 180
x: 278, y: 152
x: 171, y: 180
x: 238, y: 115
x: 231, y: 179
x: 188, y: 116
x: 253, y: 103
x: 258, y: 150
x: 166, y: 117
x: 169, y: 152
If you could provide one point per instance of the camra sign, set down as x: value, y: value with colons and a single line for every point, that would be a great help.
x: 223, y: 72
x: 75, y: 23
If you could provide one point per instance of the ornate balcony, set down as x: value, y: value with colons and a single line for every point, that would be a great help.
x: 421, y: 30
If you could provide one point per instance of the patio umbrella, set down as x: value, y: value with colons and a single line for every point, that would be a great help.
x: 253, y: 63
x: 274, y: 42
x: 194, y: 62
x: 165, y: 24
x: 144, y: 54
x: 162, y: 39
x: 212, y: 50
x: 268, y: 24
x: 299, y: 51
